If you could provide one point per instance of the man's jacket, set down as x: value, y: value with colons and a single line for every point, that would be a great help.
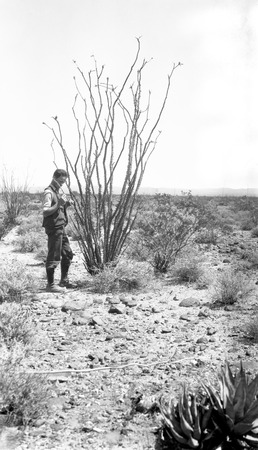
x: 58, y: 219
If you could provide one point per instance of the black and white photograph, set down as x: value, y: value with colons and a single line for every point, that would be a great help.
x: 128, y: 224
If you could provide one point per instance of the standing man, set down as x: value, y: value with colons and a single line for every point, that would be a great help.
x: 54, y: 221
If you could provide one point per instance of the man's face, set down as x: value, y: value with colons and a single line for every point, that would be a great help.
x: 61, y: 180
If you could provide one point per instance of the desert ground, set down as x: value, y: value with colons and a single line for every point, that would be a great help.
x: 107, y: 358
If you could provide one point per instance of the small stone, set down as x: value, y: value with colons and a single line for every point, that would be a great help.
x: 93, y: 357
x: 85, y: 314
x: 186, y: 317
x: 114, y: 301
x: 95, y: 320
x: 73, y: 305
x: 192, y: 349
x: 188, y: 302
x: 202, y: 347
x: 56, y: 403
x: 56, y: 426
x: 202, y: 340
x: 65, y: 342
x: 229, y: 308
x: 116, y: 309
x: 157, y: 309
x: 203, y: 313
x: 211, y: 331
x: 39, y: 422
x: 80, y: 321
x: 123, y: 299
x: 131, y: 303
x: 98, y: 301
x: 55, y: 303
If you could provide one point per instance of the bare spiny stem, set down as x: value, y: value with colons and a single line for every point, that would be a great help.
x: 114, y: 135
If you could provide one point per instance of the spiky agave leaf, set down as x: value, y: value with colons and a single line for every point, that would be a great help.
x: 251, y: 439
x: 184, y: 422
x: 171, y: 421
x: 219, y: 415
x: 196, y: 418
x: 251, y: 394
x: 235, y: 410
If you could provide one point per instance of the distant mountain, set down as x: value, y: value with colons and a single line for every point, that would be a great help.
x: 212, y: 192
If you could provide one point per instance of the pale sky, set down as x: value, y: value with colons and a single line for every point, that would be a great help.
x: 210, y: 126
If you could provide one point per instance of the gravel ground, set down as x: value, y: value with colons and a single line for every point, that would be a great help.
x: 110, y: 357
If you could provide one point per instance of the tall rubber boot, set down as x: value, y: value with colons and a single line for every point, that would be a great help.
x: 64, y: 282
x: 51, y: 286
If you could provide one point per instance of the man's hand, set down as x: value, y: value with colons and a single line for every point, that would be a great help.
x: 62, y: 201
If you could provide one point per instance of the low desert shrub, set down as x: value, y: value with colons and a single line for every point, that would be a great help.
x: 15, y: 198
x: 15, y: 324
x: 30, y: 242
x: 15, y: 280
x: 247, y: 225
x: 189, y: 271
x: 205, y: 280
x: 188, y: 267
x: 168, y: 227
x: 2, y: 229
x: 230, y: 286
x: 227, y: 228
x: 41, y: 253
x: 29, y: 224
x: 123, y: 276
x: 254, y: 232
x: 23, y: 397
x: 250, y: 258
x: 252, y: 328
x: 207, y: 237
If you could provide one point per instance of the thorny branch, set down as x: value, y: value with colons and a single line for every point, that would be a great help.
x: 112, y: 134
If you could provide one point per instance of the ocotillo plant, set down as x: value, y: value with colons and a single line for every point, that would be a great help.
x: 114, y: 131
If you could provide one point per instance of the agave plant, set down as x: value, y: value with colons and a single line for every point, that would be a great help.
x: 235, y: 408
x: 189, y: 422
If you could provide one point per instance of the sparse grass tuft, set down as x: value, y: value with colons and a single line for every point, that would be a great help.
x: 15, y: 280
x: 230, y: 286
x: 249, y: 259
x: 29, y: 224
x: 124, y: 276
x: 188, y: 268
x: 207, y: 236
x: 24, y: 397
x: 30, y: 242
x: 15, y: 324
x: 252, y: 329
x: 254, y: 232
x: 205, y: 280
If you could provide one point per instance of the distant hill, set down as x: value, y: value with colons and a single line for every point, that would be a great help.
x: 212, y: 192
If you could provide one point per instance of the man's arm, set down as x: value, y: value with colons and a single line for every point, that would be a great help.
x: 47, y: 208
